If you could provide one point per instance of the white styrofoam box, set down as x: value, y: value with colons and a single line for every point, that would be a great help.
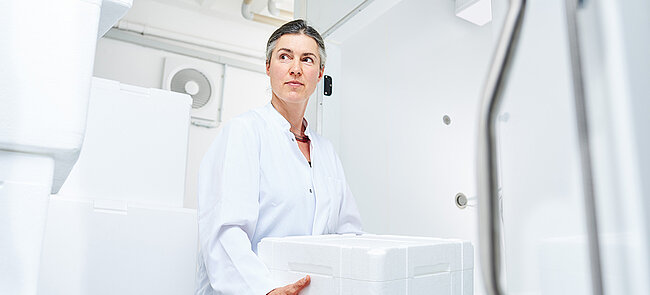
x: 371, y: 264
x: 25, y: 185
x: 135, y: 147
x: 113, y: 247
x: 47, y: 52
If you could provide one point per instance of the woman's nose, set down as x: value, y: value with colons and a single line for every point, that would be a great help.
x: 295, y: 68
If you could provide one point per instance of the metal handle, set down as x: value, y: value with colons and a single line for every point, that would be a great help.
x: 585, y: 151
x: 489, y: 220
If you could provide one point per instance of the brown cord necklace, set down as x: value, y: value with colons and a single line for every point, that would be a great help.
x: 303, y: 137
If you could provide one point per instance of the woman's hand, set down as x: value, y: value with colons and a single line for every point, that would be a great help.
x: 292, y: 289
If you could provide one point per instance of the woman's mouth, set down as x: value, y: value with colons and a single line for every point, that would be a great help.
x: 294, y: 83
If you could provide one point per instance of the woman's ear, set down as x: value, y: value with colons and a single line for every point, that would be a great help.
x: 268, y: 65
x: 320, y: 73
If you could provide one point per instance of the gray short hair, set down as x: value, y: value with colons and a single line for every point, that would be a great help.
x: 298, y: 26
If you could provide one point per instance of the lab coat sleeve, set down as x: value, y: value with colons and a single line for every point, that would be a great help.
x: 349, y: 217
x: 228, y: 211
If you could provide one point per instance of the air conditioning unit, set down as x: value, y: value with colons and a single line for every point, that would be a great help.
x: 203, y: 81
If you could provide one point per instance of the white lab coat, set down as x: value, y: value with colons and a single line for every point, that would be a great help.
x: 253, y: 183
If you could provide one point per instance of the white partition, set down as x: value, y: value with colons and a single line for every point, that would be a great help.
x: 614, y: 50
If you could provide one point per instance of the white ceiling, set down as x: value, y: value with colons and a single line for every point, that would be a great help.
x: 229, y: 7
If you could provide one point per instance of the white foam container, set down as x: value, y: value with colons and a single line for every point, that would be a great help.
x: 47, y: 51
x: 47, y: 54
x: 372, y: 264
x: 118, y: 226
x: 135, y: 147
x: 117, y: 247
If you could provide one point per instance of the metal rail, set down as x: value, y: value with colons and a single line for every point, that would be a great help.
x: 347, y: 17
x: 488, y: 182
x: 585, y: 151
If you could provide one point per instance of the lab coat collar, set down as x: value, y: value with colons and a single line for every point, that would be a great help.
x: 280, y: 122
x: 307, y: 132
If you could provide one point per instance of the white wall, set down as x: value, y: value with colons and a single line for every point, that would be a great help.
x: 142, y: 66
x: 128, y: 63
x: 225, y: 26
x: 394, y: 81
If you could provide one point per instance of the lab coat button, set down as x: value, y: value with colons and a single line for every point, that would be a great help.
x: 309, y: 190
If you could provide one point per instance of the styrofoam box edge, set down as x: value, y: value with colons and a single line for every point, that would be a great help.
x: 452, y: 283
x: 354, y: 257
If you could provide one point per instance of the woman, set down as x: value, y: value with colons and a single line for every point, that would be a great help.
x: 268, y: 175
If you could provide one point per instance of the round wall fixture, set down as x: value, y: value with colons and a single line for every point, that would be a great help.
x: 446, y: 120
x: 194, y: 83
x: 461, y: 200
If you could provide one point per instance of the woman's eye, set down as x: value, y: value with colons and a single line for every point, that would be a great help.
x: 284, y: 56
x: 308, y: 59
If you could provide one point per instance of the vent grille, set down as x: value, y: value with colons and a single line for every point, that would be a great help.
x: 194, y: 83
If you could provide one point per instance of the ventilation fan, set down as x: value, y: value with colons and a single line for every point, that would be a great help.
x: 194, y: 83
x: 201, y: 80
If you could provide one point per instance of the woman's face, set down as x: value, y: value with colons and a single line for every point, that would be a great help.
x: 294, y: 68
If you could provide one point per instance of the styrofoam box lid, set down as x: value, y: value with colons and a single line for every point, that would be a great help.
x: 366, y: 257
x: 135, y: 147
